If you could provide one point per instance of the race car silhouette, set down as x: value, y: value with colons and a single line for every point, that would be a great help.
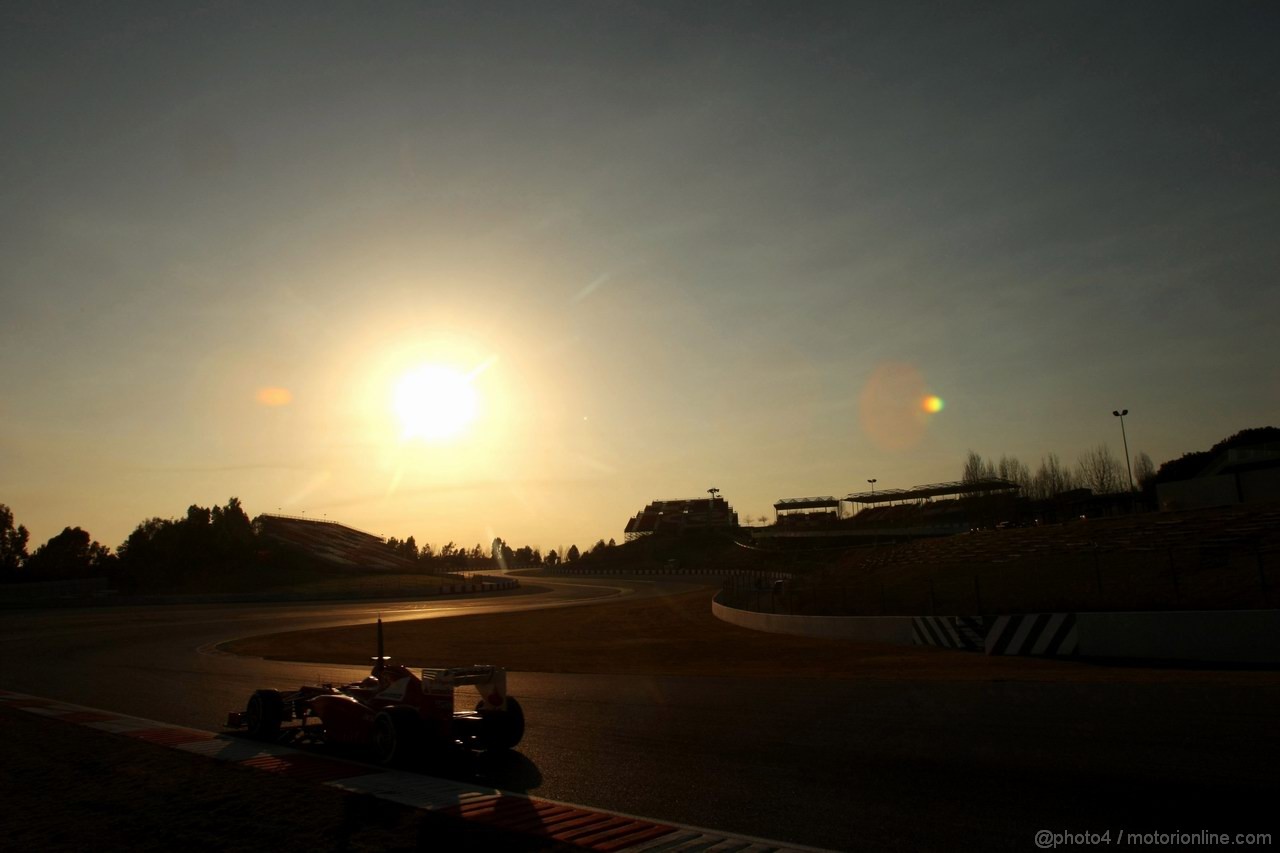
x: 397, y: 717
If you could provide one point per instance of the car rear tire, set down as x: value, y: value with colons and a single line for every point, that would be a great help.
x: 503, y: 729
x: 398, y: 737
x: 263, y: 714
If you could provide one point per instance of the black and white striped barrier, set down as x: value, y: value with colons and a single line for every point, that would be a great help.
x: 949, y: 632
x: 1053, y: 634
x: 1215, y: 636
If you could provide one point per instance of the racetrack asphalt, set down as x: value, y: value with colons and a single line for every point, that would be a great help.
x: 912, y: 764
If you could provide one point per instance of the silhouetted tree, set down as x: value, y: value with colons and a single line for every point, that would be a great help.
x: 1144, y: 471
x: 553, y: 559
x: 976, y: 469
x: 13, y: 545
x: 1014, y: 470
x: 167, y: 552
x: 70, y: 554
x: 573, y: 554
x: 1100, y: 471
x: 1051, y: 479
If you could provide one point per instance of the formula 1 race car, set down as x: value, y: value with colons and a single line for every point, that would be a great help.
x: 397, y: 716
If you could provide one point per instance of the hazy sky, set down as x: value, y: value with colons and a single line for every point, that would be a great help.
x: 679, y: 245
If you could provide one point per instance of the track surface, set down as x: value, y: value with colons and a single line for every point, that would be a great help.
x: 886, y: 764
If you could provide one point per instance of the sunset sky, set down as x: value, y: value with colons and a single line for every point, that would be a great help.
x: 669, y: 246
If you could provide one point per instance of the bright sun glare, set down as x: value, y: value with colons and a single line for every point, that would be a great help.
x: 434, y: 403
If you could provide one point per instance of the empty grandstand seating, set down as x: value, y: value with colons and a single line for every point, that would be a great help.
x: 676, y: 516
x: 333, y: 542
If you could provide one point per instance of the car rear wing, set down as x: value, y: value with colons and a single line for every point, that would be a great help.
x: 490, y: 681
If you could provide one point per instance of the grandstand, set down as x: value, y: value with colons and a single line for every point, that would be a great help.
x: 673, y: 517
x: 809, y: 512
x: 333, y: 543
x: 959, y: 488
x: 890, y: 513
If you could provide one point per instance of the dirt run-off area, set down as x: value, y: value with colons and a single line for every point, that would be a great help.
x: 678, y: 635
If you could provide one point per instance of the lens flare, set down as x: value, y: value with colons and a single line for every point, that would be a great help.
x: 889, y: 406
x: 932, y: 404
x: 274, y: 396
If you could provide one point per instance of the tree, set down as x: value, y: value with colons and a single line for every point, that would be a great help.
x: 198, y: 548
x: 573, y: 554
x: 976, y: 469
x: 70, y: 554
x: 973, y: 468
x: 1100, y: 471
x: 13, y: 545
x: 1051, y: 479
x: 1012, y: 468
x: 553, y: 559
x: 613, y: 543
x: 1144, y: 471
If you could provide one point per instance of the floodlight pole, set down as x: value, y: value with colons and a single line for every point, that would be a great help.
x: 1120, y: 413
x: 873, y: 482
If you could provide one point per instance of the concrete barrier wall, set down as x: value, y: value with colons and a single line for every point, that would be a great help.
x: 871, y: 629
x: 1222, y: 636
x: 1209, y: 636
x: 11, y: 593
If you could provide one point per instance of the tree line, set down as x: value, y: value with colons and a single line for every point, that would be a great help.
x: 210, y: 541
x: 1099, y: 470
x: 1096, y: 469
x: 206, y: 541
x: 500, y: 555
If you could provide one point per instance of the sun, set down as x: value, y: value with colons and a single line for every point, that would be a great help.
x: 435, y: 403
